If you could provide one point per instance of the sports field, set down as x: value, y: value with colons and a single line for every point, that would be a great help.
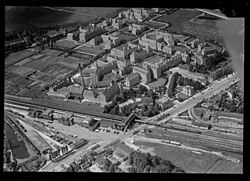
x: 176, y: 18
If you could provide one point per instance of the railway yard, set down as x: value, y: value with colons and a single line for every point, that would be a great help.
x: 83, y: 100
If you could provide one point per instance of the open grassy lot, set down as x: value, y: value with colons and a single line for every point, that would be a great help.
x: 203, y: 31
x: 18, y: 56
x: 40, y: 61
x: 37, y: 65
x: 71, y: 63
x: 51, y: 52
x: 192, y: 162
x: 176, y: 18
x: 66, y: 43
x: 26, y: 60
x: 55, y: 70
x: 22, y: 70
x: 7, y: 84
x: 19, y: 149
x: 154, y: 24
x: 36, y: 75
x: 46, y: 78
x: 9, y: 76
x: 13, y: 89
x: 91, y: 49
x: 35, y: 91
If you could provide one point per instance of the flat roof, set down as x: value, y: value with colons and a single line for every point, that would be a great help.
x: 154, y: 59
x: 157, y: 83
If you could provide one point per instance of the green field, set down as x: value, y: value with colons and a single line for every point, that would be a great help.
x: 154, y: 24
x: 176, y: 18
x: 192, y: 162
x: 19, y: 149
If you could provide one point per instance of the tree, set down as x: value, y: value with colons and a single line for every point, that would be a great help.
x: 111, y: 168
x: 132, y: 170
x: 155, y: 160
x: 191, y: 67
x: 146, y: 169
x: 181, y: 81
x: 106, y: 109
x: 115, y: 110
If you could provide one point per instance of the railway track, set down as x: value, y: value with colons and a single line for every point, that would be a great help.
x: 34, y: 105
x: 209, y: 140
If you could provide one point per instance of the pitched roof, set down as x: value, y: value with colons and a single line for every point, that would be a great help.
x: 133, y: 76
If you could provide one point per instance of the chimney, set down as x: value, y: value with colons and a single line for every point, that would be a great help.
x: 80, y: 71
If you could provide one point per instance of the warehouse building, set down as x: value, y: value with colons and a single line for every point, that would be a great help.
x: 39, y: 142
x: 84, y: 122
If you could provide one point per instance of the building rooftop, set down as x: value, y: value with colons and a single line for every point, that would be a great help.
x: 126, y: 103
x: 76, y: 90
x: 47, y: 112
x: 154, y: 59
x: 38, y: 141
x: 163, y: 99
x: 132, y: 76
x: 99, y: 160
x: 102, y: 83
x: 109, y: 76
x: 159, y: 82
x: 78, y: 119
x: 181, y: 48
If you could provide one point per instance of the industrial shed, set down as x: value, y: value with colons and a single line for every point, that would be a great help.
x: 39, y: 142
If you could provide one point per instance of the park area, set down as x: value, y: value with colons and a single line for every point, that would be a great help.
x: 193, y: 162
x: 176, y: 18
x: 154, y: 24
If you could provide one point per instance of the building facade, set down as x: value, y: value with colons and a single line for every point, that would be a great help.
x: 89, y: 32
x: 137, y: 28
x: 132, y: 80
